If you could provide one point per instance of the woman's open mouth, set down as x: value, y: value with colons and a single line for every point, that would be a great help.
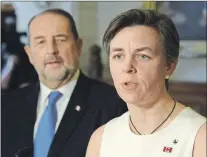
x: 129, y: 85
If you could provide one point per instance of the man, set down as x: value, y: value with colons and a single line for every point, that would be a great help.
x: 57, y: 116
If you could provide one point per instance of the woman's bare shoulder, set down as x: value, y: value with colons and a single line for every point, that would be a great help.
x: 200, y: 143
x: 94, y: 144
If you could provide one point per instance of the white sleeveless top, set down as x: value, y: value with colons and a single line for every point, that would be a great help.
x: 176, y: 140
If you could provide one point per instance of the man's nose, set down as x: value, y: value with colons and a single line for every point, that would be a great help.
x: 52, y: 47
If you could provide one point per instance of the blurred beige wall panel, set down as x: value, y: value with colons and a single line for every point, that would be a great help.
x: 87, y: 26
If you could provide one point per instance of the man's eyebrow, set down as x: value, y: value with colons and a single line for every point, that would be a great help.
x: 61, y: 35
x: 38, y: 37
x: 58, y: 35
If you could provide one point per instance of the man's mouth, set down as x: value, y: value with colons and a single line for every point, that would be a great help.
x: 53, y: 63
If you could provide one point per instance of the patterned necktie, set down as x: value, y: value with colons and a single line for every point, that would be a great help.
x: 46, y: 129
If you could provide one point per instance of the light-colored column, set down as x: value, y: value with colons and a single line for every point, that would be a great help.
x: 87, y: 27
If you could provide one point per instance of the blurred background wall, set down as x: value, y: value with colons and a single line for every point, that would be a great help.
x: 92, y: 18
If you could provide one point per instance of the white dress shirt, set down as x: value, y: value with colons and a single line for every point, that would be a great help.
x: 61, y: 104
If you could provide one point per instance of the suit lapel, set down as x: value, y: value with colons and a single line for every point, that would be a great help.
x: 72, y: 116
x: 29, y: 108
x: 32, y: 100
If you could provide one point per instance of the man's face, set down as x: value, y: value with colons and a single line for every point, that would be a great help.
x: 137, y: 64
x: 53, y: 49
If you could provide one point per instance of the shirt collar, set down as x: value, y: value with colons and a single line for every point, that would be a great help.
x: 66, y: 90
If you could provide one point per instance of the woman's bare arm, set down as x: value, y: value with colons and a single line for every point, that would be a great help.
x: 94, y: 144
x: 200, y: 143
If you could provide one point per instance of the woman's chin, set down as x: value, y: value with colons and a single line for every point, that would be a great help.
x: 130, y: 99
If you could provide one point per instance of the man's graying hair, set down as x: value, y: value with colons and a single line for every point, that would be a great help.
x: 163, y: 24
x: 169, y: 36
x: 58, y: 12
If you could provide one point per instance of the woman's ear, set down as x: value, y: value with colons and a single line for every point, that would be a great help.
x: 170, y: 68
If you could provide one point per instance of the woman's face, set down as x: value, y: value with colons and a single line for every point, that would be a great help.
x: 137, y: 64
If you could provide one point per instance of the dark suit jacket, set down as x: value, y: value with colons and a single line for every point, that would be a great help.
x: 99, y: 103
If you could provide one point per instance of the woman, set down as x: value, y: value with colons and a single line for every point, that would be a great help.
x: 143, y: 48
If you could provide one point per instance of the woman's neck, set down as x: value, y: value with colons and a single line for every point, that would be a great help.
x: 146, y: 119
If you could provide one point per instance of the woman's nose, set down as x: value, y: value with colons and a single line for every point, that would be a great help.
x: 129, y: 67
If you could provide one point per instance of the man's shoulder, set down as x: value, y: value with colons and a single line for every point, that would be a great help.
x: 101, y: 85
x: 20, y: 91
x: 102, y: 89
x: 104, y: 96
x: 17, y: 95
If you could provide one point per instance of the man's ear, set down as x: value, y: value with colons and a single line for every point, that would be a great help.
x: 170, y: 68
x: 28, y: 52
x: 79, y: 44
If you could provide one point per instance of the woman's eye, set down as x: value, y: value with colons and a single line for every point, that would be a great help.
x: 143, y: 57
x: 118, y: 57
